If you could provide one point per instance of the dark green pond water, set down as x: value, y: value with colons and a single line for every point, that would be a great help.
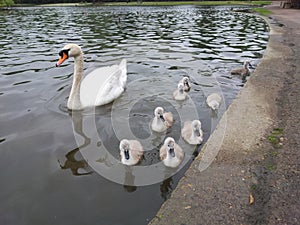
x: 58, y: 167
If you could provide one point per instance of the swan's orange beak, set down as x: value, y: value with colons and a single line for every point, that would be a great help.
x: 63, y: 57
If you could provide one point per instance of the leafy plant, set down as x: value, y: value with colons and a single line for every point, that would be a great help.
x: 276, y: 137
x: 271, y: 167
x: 6, y: 3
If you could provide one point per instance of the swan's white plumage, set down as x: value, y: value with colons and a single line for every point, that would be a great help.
x: 214, y: 101
x: 101, y: 86
x: 192, y: 132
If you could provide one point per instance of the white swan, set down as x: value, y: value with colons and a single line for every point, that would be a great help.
x: 180, y: 94
x: 131, y: 152
x: 192, y: 132
x: 171, y: 153
x: 100, y: 87
x: 185, y: 81
x: 161, y: 121
x: 214, y: 101
x: 242, y: 71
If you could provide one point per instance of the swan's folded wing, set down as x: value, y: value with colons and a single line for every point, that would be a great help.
x: 123, y: 75
x: 102, y: 85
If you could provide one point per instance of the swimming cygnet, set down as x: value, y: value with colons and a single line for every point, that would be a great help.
x: 171, y: 153
x: 131, y: 152
x: 214, y: 101
x: 180, y: 94
x: 161, y: 121
x: 192, y: 132
x: 185, y: 81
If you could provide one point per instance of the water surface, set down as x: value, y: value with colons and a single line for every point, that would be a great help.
x: 45, y: 175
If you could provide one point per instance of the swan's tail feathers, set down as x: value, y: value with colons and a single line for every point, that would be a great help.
x: 123, y: 68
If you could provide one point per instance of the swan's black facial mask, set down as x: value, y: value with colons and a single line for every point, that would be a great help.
x: 64, y: 51
x: 64, y: 55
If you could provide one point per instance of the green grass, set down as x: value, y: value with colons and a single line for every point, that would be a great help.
x: 277, y: 131
x: 274, y: 153
x: 271, y: 167
x: 274, y: 137
x: 253, y: 187
x: 262, y: 11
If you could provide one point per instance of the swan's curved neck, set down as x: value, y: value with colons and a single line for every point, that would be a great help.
x: 74, y: 98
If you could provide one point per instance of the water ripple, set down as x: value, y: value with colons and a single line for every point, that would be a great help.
x: 158, y: 42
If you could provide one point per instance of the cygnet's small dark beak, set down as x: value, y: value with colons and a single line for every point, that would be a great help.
x: 126, y: 153
x: 172, y: 152
x: 162, y: 118
x: 197, y: 132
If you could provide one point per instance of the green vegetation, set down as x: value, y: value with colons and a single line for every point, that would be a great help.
x: 262, y: 11
x: 272, y: 139
x: 253, y: 187
x: 276, y: 137
x: 6, y: 3
x: 274, y: 153
x: 271, y: 167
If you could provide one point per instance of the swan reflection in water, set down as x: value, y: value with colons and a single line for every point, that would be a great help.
x: 129, y: 180
x: 72, y: 163
x: 166, y: 188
